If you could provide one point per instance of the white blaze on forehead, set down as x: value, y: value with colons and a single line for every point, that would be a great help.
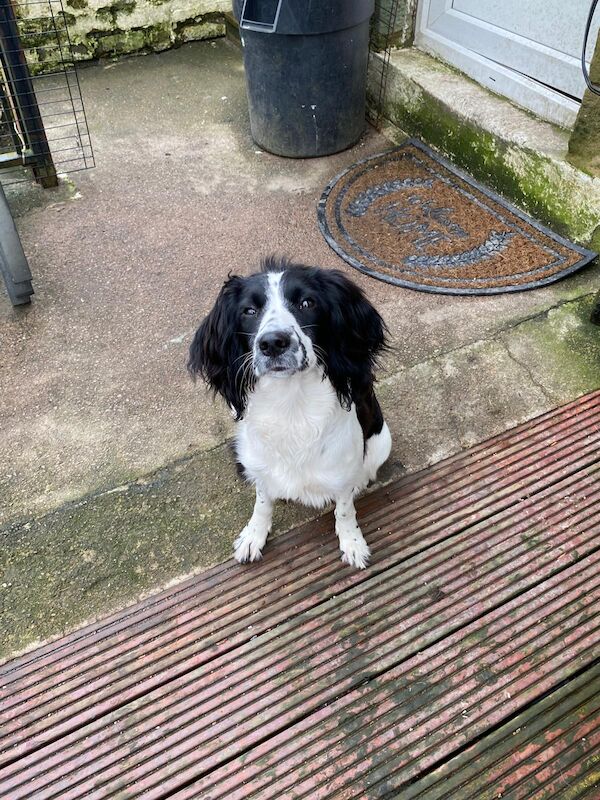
x: 277, y: 316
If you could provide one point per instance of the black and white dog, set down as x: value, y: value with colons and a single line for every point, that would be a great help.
x: 292, y: 349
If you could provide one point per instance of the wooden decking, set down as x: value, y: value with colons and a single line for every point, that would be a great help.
x: 464, y: 663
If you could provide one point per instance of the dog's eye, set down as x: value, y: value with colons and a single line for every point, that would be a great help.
x: 249, y: 312
x: 308, y: 302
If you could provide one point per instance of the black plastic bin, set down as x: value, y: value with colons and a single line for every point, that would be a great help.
x: 306, y: 72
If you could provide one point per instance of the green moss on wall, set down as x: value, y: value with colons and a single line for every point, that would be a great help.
x: 121, y: 43
x: 122, y: 27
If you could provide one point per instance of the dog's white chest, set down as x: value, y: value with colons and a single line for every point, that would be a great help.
x: 298, y: 442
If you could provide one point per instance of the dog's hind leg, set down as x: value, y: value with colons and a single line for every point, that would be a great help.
x: 377, y: 452
x: 249, y: 544
x: 355, y: 550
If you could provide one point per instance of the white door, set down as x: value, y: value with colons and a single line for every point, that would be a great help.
x: 527, y: 50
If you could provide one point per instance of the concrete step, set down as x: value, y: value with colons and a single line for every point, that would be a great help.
x: 507, y: 148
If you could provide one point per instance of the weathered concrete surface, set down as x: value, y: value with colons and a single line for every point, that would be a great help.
x: 114, y: 473
x: 461, y: 396
x: 98, y: 553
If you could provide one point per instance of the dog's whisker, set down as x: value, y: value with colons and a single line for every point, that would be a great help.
x: 247, y: 375
x: 320, y: 352
x: 240, y: 375
x: 247, y: 356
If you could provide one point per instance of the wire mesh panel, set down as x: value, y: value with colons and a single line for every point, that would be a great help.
x: 42, y: 118
x: 380, y: 48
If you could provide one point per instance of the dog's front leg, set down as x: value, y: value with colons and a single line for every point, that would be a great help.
x: 249, y: 544
x: 355, y: 550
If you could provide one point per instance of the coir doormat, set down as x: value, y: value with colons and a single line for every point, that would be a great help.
x: 411, y: 218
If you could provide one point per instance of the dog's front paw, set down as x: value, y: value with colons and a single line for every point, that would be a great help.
x: 249, y: 544
x: 355, y: 550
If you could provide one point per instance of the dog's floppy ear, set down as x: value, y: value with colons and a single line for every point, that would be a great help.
x: 356, y: 336
x: 216, y: 352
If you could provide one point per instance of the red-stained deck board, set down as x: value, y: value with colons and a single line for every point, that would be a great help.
x: 547, y: 752
x: 399, y: 616
x: 298, y: 677
x: 384, y: 734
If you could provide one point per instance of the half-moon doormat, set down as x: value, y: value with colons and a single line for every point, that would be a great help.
x: 410, y: 218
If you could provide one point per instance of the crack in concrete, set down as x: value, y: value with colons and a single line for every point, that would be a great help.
x: 527, y: 370
x: 496, y: 336
x: 513, y: 325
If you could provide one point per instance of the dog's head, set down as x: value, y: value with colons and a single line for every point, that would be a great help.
x: 284, y: 320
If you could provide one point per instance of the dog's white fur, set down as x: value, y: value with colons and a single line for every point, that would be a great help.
x: 296, y: 442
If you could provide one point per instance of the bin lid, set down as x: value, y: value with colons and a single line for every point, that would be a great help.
x: 302, y: 17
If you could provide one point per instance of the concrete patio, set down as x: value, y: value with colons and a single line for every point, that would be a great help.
x: 115, y: 474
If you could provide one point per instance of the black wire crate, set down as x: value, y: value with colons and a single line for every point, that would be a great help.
x: 383, y: 27
x: 43, y: 126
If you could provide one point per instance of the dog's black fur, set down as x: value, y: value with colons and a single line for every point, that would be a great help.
x: 349, y: 335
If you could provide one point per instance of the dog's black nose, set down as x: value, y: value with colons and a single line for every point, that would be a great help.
x: 274, y: 343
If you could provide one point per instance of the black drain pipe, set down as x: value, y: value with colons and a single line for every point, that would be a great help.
x: 593, y: 87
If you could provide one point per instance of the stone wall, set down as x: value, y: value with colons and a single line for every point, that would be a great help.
x: 107, y: 28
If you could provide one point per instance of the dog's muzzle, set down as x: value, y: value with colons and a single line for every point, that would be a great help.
x: 278, y: 352
x: 274, y: 343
